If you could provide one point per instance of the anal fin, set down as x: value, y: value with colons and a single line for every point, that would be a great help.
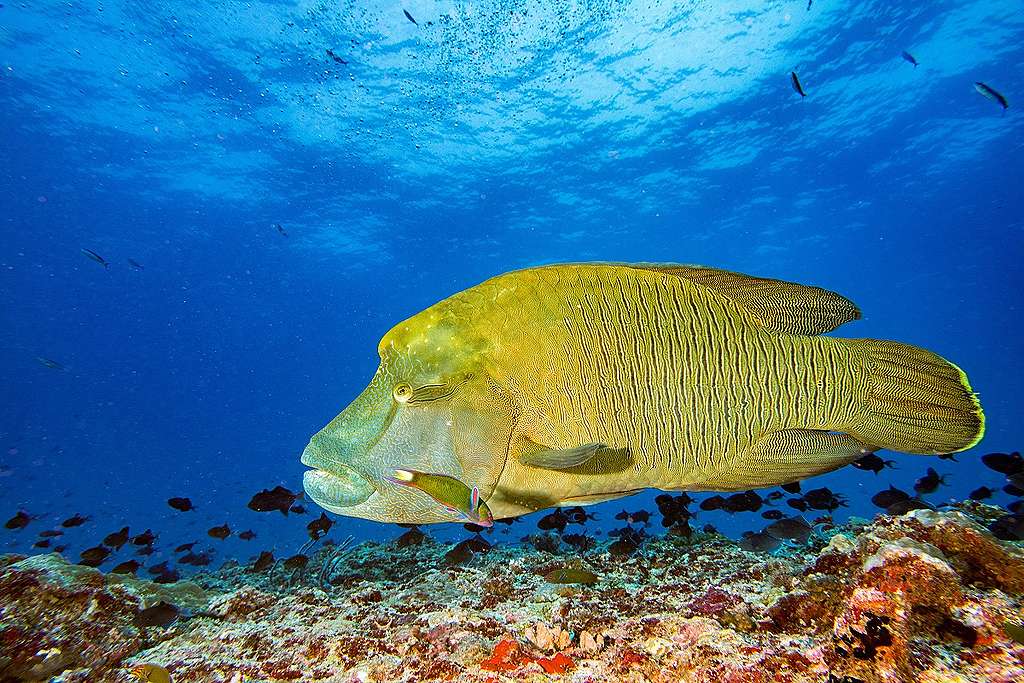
x: 789, y: 455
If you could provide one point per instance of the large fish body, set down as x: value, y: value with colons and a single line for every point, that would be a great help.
x: 574, y: 384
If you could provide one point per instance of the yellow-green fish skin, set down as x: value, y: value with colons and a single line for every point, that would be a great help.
x: 672, y: 377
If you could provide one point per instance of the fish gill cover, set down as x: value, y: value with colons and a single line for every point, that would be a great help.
x: 213, y: 212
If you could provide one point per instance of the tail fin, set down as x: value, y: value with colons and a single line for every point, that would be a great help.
x: 918, y: 402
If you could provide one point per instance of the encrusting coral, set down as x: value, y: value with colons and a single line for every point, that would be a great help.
x: 928, y: 596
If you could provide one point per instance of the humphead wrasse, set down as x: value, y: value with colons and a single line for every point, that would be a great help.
x: 575, y: 384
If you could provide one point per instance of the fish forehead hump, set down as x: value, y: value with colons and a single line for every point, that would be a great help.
x: 437, y: 339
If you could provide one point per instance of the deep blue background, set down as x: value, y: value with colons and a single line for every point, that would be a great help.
x: 507, y: 136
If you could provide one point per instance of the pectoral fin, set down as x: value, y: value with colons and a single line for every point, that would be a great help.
x: 536, y: 455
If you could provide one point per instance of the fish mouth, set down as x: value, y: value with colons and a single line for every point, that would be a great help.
x: 340, y: 487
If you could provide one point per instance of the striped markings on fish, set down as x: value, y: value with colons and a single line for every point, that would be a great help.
x: 720, y: 381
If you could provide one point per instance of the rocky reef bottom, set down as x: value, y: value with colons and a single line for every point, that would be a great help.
x: 927, y: 596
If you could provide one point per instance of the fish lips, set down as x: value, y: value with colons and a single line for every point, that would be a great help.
x: 341, y: 487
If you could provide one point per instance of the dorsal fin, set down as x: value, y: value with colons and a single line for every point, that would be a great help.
x: 778, y: 305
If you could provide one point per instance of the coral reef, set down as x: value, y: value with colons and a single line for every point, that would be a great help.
x: 927, y: 596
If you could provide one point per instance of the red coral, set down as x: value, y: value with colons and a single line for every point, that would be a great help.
x: 506, y: 657
x: 558, y: 664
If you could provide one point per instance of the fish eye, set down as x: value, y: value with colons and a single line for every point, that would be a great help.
x: 402, y: 392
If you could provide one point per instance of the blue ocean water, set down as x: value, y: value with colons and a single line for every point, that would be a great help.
x: 295, y: 178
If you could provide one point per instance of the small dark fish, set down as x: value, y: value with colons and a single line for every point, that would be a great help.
x: 992, y: 94
x: 681, y: 500
x: 809, y: 3
x: 1017, y: 479
x: 409, y: 17
x: 774, y: 495
x: 759, y: 541
x: 129, y: 567
x: 279, y: 498
x: 555, y: 521
x: 298, y: 509
x: 264, y: 561
x: 296, y: 562
x: 19, y: 521
x: 280, y: 229
x: 889, y: 497
x: 220, y: 532
x: 145, y: 538
x: 824, y: 499
x: 50, y: 363
x: 145, y: 550
x: 1013, y: 490
x: 170, y: 576
x: 464, y: 551
x: 162, y: 614
x: 96, y: 257
x: 336, y: 58
x: 161, y: 568
x: 77, y: 520
x: 1004, y: 463
x: 796, y: 84
x: 185, y: 547
x: 1016, y: 506
x: 247, y: 535
x: 572, y: 574
x: 773, y: 514
x: 116, y: 539
x: 94, y: 557
x: 790, y: 529
x: 680, y: 527
x: 411, y: 537
x: 638, y: 517
x: 792, y: 487
x: 947, y: 456
x: 180, y: 504
x: 59, y: 548
x: 51, y: 533
x: 872, y: 463
x: 135, y: 264
x: 712, y: 503
x: 981, y: 493
x: 195, y: 559
x: 580, y: 542
x: 45, y: 543
x: 577, y: 515
x: 748, y: 501
x: 910, y: 58
x: 318, y: 528
x: 929, y: 483
x: 797, y: 504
